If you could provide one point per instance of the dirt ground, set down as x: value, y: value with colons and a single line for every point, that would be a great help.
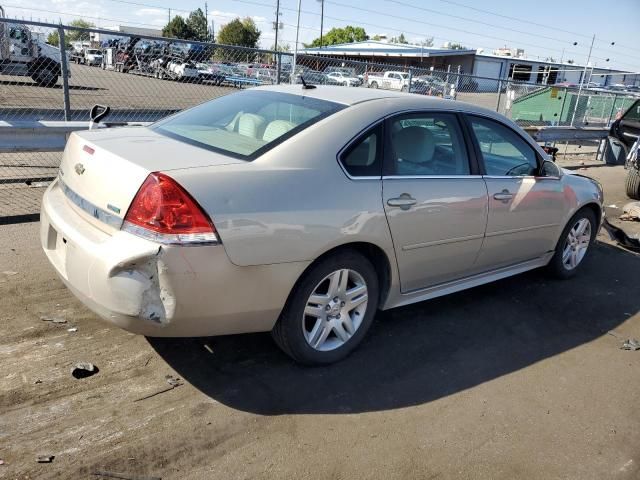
x: 523, y: 378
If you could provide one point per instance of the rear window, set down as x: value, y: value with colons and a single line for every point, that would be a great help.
x: 246, y: 124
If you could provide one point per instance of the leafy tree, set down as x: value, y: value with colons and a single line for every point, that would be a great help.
x: 178, y: 28
x: 457, y: 46
x: 240, y: 32
x: 72, y: 35
x: 282, y: 47
x: 335, y: 36
x: 400, y: 39
x: 197, y: 22
x: 427, y: 42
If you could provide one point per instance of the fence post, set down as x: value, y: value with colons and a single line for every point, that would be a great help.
x: 458, y: 81
x: 564, y: 99
x: 278, y: 66
x: 613, y: 107
x: 64, y: 70
x: 409, y: 80
x: 447, y: 80
x: 499, y: 95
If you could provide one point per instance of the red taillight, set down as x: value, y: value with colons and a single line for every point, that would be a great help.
x: 163, y: 211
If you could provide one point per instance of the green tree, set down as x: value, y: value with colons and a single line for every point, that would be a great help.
x: 178, y: 28
x: 72, y: 35
x: 197, y: 22
x: 335, y: 36
x: 400, y: 39
x: 282, y: 47
x: 427, y: 42
x: 457, y: 46
x: 239, y: 32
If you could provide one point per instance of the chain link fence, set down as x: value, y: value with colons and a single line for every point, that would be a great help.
x: 143, y: 79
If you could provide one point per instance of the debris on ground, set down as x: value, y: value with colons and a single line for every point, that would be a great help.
x: 84, y: 370
x: 612, y: 206
x: 9, y: 273
x: 45, y: 458
x: 617, y: 234
x: 631, y: 212
x: 53, y: 319
x: 173, y: 383
x: 1, y: 462
x: 72, y: 329
x: 122, y: 476
x: 208, y: 348
x: 631, y: 344
x: 38, y: 381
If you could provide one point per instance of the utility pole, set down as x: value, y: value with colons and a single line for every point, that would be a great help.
x: 584, y: 74
x: 295, y: 51
x: 277, y: 24
x: 169, y: 15
x: 321, y: 19
x: 206, y: 20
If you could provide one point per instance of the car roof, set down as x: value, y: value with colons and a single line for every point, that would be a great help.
x: 355, y: 95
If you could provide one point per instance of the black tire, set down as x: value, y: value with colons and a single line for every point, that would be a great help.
x: 288, y: 332
x: 45, y: 77
x: 556, y: 266
x: 633, y: 184
x: 373, y: 85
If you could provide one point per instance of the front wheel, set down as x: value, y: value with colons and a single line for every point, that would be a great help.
x: 373, y: 85
x: 329, y: 310
x: 574, y: 244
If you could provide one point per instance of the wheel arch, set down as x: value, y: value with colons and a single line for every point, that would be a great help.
x: 372, y: 252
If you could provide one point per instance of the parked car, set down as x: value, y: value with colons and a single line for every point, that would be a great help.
x: 625, y: 134
x: 267, y: 210
x: 211, y: 73
x: 265, y: 75
x: 429, y: 85
x: 392, y: 80
x: 313, y: 77
x: 340, y: 78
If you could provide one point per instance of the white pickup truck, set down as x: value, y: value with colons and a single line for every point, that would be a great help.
x: 392, y: 80
x: 22, y: 54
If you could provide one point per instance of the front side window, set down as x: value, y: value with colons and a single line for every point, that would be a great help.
x: 633, y: 114
x: 428, y: 144
x: 246, y: 124
x: 504, y: 152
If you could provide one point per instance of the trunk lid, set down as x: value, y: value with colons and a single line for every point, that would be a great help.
x: 103, y: 169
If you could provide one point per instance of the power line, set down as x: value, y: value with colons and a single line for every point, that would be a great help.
x: 523, y: 32
x: 528, y: 21
x: 483, y: 35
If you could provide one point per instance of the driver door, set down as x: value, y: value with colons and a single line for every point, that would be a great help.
x: 526, y: 210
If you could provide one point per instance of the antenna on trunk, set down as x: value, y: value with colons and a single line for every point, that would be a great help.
x: 305, y: 85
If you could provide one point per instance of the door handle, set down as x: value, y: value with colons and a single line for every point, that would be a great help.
x: 404, y: 201
x: 503, y: 196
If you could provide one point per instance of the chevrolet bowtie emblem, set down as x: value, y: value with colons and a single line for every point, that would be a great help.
x: 79, y: 168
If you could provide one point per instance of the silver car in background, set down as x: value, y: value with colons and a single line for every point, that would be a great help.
x: 302, y: 211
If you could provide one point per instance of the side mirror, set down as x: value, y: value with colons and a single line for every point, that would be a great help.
x: 549, y: 169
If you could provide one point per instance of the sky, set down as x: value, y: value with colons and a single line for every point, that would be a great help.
x: 544, y: 28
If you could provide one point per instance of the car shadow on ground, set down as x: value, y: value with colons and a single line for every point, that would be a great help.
x: 422, y: 352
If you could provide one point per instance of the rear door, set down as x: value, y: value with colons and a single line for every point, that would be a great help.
x: 525, y: 210
x: 434, y: 199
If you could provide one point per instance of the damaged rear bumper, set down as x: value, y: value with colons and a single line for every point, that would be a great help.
x: 154, y: 290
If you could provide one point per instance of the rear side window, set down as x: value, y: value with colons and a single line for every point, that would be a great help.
x: 504, y: 152
x: 246, y: 124
x: 363, y: 158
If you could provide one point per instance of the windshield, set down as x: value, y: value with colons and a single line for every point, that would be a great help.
x: 246, y: 124
x: 93, y: 52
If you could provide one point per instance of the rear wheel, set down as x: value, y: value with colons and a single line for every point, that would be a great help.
x: 633, y: 184
x: 574, y: 244
x: 373, y: 85
x: 329, y: 310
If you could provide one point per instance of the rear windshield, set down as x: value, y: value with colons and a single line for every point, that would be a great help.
x: 246, y: 124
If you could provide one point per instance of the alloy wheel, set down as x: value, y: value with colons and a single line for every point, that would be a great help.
x: 576, y: 244
x: 335, y: 310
